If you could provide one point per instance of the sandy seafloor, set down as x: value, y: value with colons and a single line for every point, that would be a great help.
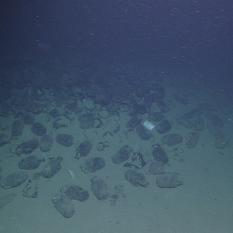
x: 203, y: 204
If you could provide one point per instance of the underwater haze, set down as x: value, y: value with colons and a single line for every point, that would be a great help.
x: 116, y: 116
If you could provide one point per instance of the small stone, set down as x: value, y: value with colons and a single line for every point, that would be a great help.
x: 133, y: 123
x: 83, y: 149
x: 75, y: 192
x: 192, y: 139
x: 63, y: 205
x: 143, y: 133
x: 93, y: 164
x: 5, y: 199
x: 28, y: 119
x: 46, y: 143
x: 65, y: 139
x: 99, y: 188
x: 4, y: 139
x: 29, y: 163
x: 156, y: 167
x: 135, y: 178
x: 52, y: 167
x: 172, y: 139
x: 13, y: 180
x: 30, y: 190
x: 86, y: 121
x: 122, y: 154
x: 38, y: 129
x: 159, y: 154
x: 27, y: 147
x: 17, y: 128
x: 168, y: 180
x: 163, y: 126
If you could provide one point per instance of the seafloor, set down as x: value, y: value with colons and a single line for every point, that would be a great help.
x: 75, y: 155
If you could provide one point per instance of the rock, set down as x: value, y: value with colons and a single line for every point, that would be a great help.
x: 75, y: 192
x: 83, y: 149
x: 135, y: 178
x: 143, y: 133
x: 168, y: 180
x: 65, y: 139
x: 27, y: 147
x: 29, y: 163
x: 122, y: 154
x: 46, y: 143
x: 159, y: 154
x: 172, y: 139
x: 52, y: 167
x: 13, y: 180
x: 156, y: 167
x: 93, y: 164
x: 38, y: 129
x: 163, y: 126
x: 86, y: 121
x: 17, y: 128
x: 63, y: 205
x: 99, y: 188
x: 4, y: 139
x: 192, y: 139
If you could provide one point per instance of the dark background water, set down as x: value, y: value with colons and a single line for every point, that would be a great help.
x: 180, y: 37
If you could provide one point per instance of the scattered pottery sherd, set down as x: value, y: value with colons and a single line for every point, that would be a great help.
x: 63, y: 205
x: 172, y: 139
x: 159, y: 154
x: 27, y: 147
x: 75, y: 192
x: 122, y: 154
x: 38, y: 129
x: 92, y: 165
x: 52, y: 167
x: 13, y: 180
x: 168, y: 180
x: 99, y: 188
x: 46, y: 143
x: 29, y: 163
x: 83, y: 149
x: 135, y: 178
x: 65, y: 139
